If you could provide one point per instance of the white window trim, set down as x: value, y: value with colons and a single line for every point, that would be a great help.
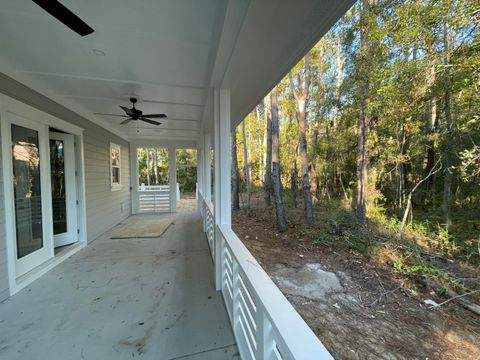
x: 115, y: 186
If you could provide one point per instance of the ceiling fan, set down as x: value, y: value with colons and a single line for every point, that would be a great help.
x: 135, y: 114
x: 64, y: 15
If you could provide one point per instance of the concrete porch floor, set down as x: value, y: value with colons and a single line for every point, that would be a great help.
x: 122, y: 299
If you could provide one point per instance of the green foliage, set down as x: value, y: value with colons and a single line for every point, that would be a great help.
x: 186, y: 169
x: 402, y: 58
x: 146, y: 169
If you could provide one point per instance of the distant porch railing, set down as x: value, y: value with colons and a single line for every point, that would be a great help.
x: 153, y: 199
x: 265, y: 324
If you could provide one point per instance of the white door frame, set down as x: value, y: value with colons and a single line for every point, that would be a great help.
x: 37, y: 257
x: 13, y: 111
x: 71, y: 235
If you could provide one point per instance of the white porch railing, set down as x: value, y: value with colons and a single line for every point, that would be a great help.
x: 265, y: 324
x: 209, y: 227
x: 154, y: 198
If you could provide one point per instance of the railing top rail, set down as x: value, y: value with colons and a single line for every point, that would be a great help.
x: 154, y: 188
x: 294, y: 332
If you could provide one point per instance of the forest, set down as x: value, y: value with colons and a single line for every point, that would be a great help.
x: 382, y: 115
x: 153, y: 167
x: 371, y: 145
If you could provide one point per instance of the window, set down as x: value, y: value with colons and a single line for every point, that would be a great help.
x: 115, y: 167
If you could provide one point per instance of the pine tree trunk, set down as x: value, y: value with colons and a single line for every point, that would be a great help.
x: 362, y: 133
x: 277, y: 186
x: 246, y: 166
x: 235, y: 175
x: 267, y: 184
x: 362, y: 177
x: 301, y: 97
x: 148, y: 166
x: 294, y: 180
x: 449, y: 148
x: 431, y: 122
x: 447, y: 162
x: 339, y: 75
x: 155, y: 166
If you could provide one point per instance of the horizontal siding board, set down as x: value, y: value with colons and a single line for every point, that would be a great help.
x: 103, y: 205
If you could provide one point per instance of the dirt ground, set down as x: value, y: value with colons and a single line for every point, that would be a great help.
x: 375, y: 315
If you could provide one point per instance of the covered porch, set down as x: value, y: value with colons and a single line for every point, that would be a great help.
x: 195, y: 292
x: 152, y: 298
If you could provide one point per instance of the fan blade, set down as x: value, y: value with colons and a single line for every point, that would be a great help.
x: 126, y: 121
x: 127, y: 110
x: 110, y: 114
x: 149, y: 121
x: 62, y: 14
x: 154, y: 116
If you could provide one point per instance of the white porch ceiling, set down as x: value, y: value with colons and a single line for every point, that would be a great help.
x: 168, y: 53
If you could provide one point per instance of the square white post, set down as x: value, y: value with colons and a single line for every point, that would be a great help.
x: 172, y: 178
x: 223, y: 213
x: 198, y: 188
x: 207, y: 177
x: 207, y: 174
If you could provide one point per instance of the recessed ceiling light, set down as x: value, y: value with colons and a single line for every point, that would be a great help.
x: 98, y: 52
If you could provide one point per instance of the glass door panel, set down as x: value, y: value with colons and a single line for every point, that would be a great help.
x: 27, y: 190
x: 57, y: 164
x: 64, y: 188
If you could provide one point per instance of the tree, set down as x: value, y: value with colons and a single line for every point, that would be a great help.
x: 363, y: 124
x: 301, y: 96
x: 148, y: 166
x: 276, y: 169
x: 246, y: 167
x: 155, y: 166
x: 235, y: 173
x: 450, y: 127
x: 267, y: 183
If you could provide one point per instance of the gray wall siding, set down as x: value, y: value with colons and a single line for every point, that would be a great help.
x: 104, y: 207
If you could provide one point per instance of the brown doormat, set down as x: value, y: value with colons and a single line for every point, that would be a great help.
x: 141, y: 227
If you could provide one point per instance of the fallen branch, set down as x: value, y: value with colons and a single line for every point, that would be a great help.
x: 465, y: 303
x: 456, y: 297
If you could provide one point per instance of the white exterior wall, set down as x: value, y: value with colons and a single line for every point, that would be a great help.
x: 103, y: 207
x: 4, y: 290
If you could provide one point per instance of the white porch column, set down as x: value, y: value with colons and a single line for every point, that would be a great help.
x: 172, y: 178
x: 223, y: 213
x: 134, y: 178
x: 199, y: 188
x: 207, y: 175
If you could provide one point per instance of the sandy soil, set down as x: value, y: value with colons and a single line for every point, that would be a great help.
x: 374, y: 315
